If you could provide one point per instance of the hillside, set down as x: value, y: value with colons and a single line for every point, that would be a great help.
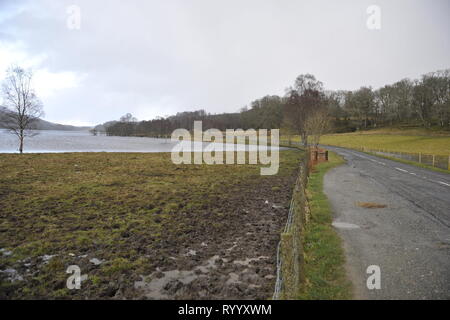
x: 40, y: 124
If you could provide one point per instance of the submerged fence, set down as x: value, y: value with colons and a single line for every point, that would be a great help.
x: 437, y: 161
x: 290, y: 259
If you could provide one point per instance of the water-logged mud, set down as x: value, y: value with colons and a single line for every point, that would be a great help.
x: 237, y: 263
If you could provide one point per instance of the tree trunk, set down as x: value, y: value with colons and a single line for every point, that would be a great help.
x: 21, y: 142
x: 305, y: 139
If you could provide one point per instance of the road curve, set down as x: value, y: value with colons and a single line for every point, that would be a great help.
x: 409, y: 239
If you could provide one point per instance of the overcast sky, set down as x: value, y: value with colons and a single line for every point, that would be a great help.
x: 156, y: 58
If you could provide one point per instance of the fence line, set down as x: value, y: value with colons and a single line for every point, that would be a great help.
x: 290, y: 260
x: 437, y: 161
x: 434, y: 160
x: 289, y: 143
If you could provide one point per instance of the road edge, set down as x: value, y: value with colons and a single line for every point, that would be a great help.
x: 325, y: 272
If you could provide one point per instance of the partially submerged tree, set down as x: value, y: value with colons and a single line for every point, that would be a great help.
x: 24, y: 108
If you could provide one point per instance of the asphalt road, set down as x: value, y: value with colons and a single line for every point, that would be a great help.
x: 409, y: 239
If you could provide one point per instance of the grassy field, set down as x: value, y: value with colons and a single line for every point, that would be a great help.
x: 137, y: 214
x: 324, y: 257
x: 397, y: 139
x: 438, y: 145
x: 409, y: 130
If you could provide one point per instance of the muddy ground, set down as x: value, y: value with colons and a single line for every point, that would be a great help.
x: 236, y: 261
x: 140, y: 227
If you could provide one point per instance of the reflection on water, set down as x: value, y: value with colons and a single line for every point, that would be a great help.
x: 52, y: 141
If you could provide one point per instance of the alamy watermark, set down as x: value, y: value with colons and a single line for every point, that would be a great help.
x: 231, y: 150
x: 374, y: 19
x: 374, y: 280
x: 74, y: 281
x: 73, y: 21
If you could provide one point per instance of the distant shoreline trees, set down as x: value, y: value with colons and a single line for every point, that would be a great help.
x: 424, y: 101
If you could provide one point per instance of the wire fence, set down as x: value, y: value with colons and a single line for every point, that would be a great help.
x: 279, y: 280
x: 433, y: 160
x: 290, y: 259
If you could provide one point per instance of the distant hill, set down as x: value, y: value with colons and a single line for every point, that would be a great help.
x: 41, y: 124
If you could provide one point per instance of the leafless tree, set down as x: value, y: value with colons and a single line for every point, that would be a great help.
x: 24, y: 108
x: 301, y: 101
x: 318, y: 124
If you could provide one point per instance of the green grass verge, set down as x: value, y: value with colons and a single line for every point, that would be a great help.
x: 326, y: 277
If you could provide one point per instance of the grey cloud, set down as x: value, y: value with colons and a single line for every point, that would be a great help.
x: 159, y: 57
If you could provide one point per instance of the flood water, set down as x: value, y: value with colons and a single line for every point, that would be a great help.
x: 53, y: 141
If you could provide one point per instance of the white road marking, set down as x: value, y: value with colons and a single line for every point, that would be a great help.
x: 373, y: 160
x: 400, y: 169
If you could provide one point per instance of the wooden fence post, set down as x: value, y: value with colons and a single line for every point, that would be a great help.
x: 433, y: 160
x: 420, y: 157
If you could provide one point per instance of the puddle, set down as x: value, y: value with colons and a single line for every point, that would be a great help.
x: 191, y: 253
x: 165, y: 286
x: 96, y: 261
x: 159, y: 288
x: 5, y: 252
x: 12, y: 275
x: 247, y: 261
x: 233, y: 278
x: 172, y: 283
x: 344, y: 225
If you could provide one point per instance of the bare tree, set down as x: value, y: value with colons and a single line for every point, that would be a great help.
x: 301, y: 101
x: 24, y: 108
x: 439, y: 84
x: 318, y: 124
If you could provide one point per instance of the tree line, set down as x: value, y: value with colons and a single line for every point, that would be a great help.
x: 424, y: 101
x: 307, y: 109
